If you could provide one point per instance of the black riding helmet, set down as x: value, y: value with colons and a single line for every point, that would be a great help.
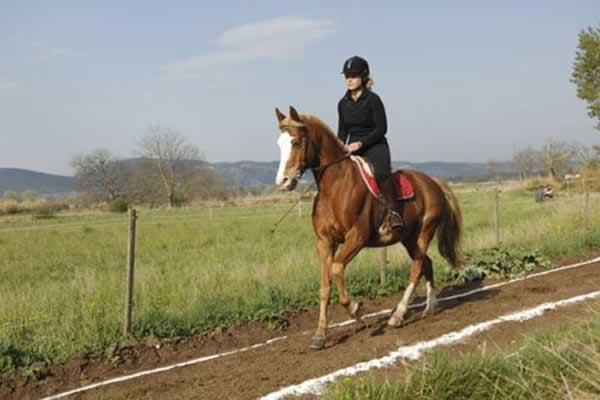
x: 356, y: 65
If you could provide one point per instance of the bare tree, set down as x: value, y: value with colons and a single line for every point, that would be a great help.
x: 174, y: 159
x: 520, y: 164
x: 528, y: 162
x: 98, y: 172
x: 587, y: 157
x: 557, y: 158
x: 206, y: 184
x: 144, y: 184
x: 492, y: 167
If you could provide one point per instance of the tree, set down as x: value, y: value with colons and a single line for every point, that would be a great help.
x: 98, y: 172
x: 175, y: 160
x: 557, y: 158
x: 528, y: 162
x: 586, y: 71
x: 144, y: 185
x: 207, y: 184
x: 589, y: 157
x: 492, y: 167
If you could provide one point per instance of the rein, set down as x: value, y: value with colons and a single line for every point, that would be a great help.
x: 317, y: 171
x: 276, y: 225
x: 322, y: 168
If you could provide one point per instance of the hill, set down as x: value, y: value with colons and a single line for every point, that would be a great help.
x: 241, y: 174
x: 18, y: 180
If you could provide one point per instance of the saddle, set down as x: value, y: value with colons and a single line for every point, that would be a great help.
x: 405, y: 188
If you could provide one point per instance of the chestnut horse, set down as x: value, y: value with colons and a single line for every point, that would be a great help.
x: 345, y: 213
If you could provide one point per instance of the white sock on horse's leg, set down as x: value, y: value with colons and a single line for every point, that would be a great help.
x: 431, y: 299
x: 400, y: 312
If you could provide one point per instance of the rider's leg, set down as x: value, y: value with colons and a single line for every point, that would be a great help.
x: 379, y: 157
x: 389, y: 191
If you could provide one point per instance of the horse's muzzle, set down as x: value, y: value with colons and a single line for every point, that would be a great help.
x: 289, y: 184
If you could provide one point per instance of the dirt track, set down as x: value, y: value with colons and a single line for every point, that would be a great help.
x: 259, y: 371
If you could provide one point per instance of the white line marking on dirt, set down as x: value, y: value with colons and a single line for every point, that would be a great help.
x: 315, y: 386
x: 474, y: 291
x: 277, y: 339
x: 154, y: 371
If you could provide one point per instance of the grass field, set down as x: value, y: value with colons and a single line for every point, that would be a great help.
x: 555, y: 365
x: 62, y: 279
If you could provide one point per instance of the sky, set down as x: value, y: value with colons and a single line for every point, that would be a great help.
x: 460, y: 80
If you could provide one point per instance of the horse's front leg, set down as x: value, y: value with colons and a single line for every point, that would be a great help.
x: 325, y: 250
x: 355, y: 240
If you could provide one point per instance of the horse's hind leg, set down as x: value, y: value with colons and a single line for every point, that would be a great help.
x: 431, y: 291
x: 399, y: 312
x: 421, y: 265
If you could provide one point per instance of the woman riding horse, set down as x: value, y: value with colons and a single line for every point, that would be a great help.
x: 362, y: 127
x: 345, y: 214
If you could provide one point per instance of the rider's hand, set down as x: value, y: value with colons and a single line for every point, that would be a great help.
x: 353, y: 147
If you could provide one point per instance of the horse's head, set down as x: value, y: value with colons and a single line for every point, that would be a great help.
x: 293, y: 147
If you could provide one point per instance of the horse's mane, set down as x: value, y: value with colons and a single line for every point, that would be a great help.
x: 321, y: 126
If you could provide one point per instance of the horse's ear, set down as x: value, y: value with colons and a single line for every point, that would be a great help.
x: 279, y: 114
x: 294, y: 114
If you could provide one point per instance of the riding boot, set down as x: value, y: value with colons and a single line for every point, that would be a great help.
x: 389, y: 192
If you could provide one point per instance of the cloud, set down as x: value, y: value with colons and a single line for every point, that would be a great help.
x: 276, y: 38
x: 275, y: 28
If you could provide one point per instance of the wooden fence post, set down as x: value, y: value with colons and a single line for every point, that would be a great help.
x: 130, y: 269
x: 382, y: 265
x: 586, y: 205
x: 497, y: 214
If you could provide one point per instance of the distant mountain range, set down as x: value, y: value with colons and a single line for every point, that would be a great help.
x: 19, y: 180
x: 255, y: 173
x: 244, y: 174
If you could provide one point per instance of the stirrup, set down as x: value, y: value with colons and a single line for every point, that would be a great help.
x: 395, y: 220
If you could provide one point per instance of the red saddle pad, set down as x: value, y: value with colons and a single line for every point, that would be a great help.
x: 405, y: 188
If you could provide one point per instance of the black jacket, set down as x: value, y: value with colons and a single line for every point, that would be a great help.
x: 363, y: 120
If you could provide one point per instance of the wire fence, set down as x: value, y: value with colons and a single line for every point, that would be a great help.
x: 576, y: 197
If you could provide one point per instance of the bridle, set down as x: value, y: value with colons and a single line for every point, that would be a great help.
x: 302, y: 165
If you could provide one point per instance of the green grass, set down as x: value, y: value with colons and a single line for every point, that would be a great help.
x: 62, y: 280
x: 556, y: 365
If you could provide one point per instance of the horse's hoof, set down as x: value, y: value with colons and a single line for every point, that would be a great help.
x: 355, y: 310
x: 317, y: 343
x: 427, y: 313
x: 394, y: 323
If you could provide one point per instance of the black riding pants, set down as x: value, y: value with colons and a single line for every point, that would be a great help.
x: 378, y: 156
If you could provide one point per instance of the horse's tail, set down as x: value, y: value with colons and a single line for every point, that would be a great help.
x: 449, y: 232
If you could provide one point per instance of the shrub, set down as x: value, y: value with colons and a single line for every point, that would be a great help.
x: 118, y: 205
x: 499, y: 263
x: 44, y: 211
x: 30, y: 196
x: 180, y: 199
x: 10, y: 207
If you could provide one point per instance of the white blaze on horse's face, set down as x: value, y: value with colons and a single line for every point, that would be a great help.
x: 285, y: 149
